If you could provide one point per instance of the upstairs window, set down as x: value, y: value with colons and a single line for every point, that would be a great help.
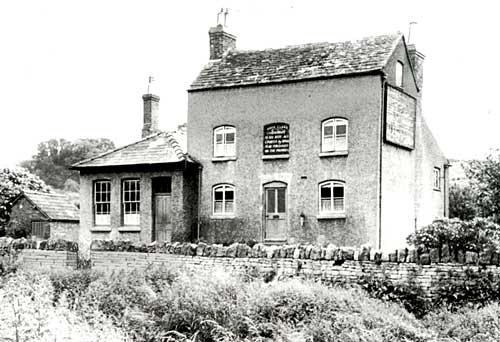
x: 331, y: 197
x: 437, y: 178
x: 102, y: 203
x: 225, y: 141
x: 334, y: 135
x: 399, y: 74
x: 131, y: 201
x: 223, y: 200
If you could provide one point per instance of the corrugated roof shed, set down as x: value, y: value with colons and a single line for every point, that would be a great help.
x: 302, y: 62
x: 163, y: 147
x: 54, y: 206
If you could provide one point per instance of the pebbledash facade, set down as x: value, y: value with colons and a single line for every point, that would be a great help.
x: 313, y: 143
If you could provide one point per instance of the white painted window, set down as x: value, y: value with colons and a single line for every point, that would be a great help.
x: 331, y: 197
x: 399, y: 73
x: 131, y: 201
x: 437, y: 178
x: 102, y: 203
x: 223, y: 199
x: 334, y: 135
x: 225, y: 141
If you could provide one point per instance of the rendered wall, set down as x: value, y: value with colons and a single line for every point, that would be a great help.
x: 303, y: 106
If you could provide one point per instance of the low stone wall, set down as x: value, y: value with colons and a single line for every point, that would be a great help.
x: 33, y: 259
x: 427, y: 277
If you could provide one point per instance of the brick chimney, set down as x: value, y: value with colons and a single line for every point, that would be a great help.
x: 220, y: 42
x: 417, y: 62
x: 151, y: 111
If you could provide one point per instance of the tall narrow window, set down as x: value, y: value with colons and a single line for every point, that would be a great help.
x: 399, y: 74
x: 102, y: 203
x: 437, y: 178
x: 131, y: 202
x: 331, y: 197
x: 223, y: 199
x: 334, y: 135
x: 225, y: 141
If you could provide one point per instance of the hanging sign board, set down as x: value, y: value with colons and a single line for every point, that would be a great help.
x: 400, y: 116
x: 276, y: 139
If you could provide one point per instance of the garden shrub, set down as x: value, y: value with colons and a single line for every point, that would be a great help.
x: 477, y: 235
x: 72, y: 283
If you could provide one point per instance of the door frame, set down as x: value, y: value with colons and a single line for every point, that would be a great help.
x: 273, y: 185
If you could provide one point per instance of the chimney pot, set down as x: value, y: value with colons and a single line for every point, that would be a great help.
x: 151, y: 113
x: 220, y: 42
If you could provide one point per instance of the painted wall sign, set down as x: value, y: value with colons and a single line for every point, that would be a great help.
x: 276, y: 139
x: 400, y: 115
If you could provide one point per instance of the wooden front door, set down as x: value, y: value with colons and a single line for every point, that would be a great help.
x: 275, y: 213
x: 163, y: 217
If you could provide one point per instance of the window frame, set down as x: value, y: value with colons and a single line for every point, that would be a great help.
x: 134, y: 217
x: 102, y: 221
x: 332, y: 212
x: 334, y: 122
x: 223, y: 213
x: 225, y: 129
x: 43, y: 226
x: 399, y: 74
x: 436, y: 179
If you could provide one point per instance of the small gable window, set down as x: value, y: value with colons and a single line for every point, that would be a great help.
x: 399, y: 74
x: 225, y: 141
x: 331, y: 197
x: 131, y: 201
x: 437, y: 178
x: 334, y: 135
x: 223, y: 200
x: 102, y: 203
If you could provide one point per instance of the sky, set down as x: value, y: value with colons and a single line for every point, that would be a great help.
x: 78, y: 69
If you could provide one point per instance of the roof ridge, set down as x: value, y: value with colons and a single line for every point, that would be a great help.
x: 116, y: 149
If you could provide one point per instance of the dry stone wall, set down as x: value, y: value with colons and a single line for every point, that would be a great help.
x: 331, y: 264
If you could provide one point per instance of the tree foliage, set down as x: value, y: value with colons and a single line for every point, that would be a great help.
x: 54, y: 158
x: 12, y: 182
x: 463, y: 202
x: 485, y: 180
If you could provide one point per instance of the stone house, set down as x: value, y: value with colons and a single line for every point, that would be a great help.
x: 314, y: 143
x: 46, y: 215
x: 144, y: 191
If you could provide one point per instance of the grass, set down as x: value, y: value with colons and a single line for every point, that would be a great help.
x: 170, y: 305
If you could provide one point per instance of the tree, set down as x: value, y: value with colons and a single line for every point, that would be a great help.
x: 463, y: 202
x: 54, y: 158
x: 485, y: 180
x: 12, y: 182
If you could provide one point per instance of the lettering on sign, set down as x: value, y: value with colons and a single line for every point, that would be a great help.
x: 400, y: 115
x: 276, y: 139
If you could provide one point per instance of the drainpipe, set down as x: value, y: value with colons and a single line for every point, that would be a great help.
x: 381, y: 144
x: 445, y: 189
x: 198, y: 223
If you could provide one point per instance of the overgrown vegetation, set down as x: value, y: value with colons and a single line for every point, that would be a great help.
x: 162, y: 304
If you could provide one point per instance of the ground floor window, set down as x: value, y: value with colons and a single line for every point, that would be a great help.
x: 437, y: 178
x: 102, y: 203
x: 131, y: 201
x: 40, y: 229
x: 223, y: 199
x: 332, y: 198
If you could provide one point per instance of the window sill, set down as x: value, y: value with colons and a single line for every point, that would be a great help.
x: 222, y: 159
x: 100, y: 229
x: 436, y: 189
x: 222, y: 217
x: 276, y: 156
x: 333, y: 154
x: 129, y: 229
x: 331, y: 216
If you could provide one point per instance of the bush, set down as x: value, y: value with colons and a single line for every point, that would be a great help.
x: 476, y: 235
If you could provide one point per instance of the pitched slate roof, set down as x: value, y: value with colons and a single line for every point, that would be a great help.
x: 159, y: 148
x: 54, y: 206
x: 294, y: 63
